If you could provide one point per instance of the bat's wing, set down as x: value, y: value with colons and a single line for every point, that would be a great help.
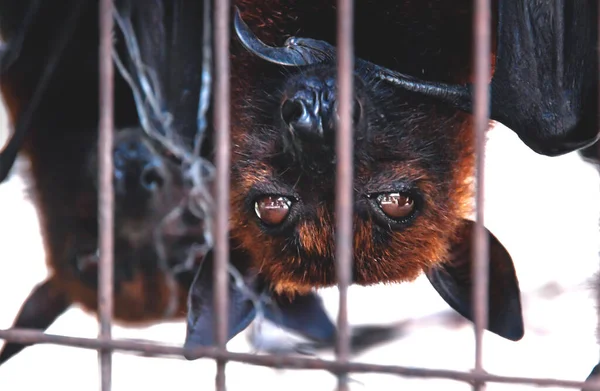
x: 168, y: 64
x: 545, y: 85
x: 42, y: 307
x: 453, y: 281
x: 26, y: 70
x: 242, y: 303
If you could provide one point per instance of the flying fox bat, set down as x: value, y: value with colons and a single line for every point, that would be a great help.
x: 413, y: 144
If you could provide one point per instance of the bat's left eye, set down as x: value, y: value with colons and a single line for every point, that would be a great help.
x: 272, y: 210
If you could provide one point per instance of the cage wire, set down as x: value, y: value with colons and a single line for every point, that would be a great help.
x: 148, y: 99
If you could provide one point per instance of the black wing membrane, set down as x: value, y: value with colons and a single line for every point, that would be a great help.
x: 166, y: 63
x: 42, y: 307
x: 17, y: 26
x: 545, y: 86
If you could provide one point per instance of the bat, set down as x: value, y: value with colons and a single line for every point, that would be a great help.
x: 413, y: 155
x: 161, y: 154
x: 55, y: 111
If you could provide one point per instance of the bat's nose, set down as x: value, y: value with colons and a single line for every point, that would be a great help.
x: 137, y: 168
x: 310, y: 108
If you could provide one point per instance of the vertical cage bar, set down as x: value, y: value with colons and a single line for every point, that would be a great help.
x: 106, y: 196
x: 482, y: 46
x: 344, y: 176
x: 222, y: 123
x: 598, y: 152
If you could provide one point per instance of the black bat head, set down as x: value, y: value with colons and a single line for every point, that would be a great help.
x: 154, y: 230
x: 413, y: 160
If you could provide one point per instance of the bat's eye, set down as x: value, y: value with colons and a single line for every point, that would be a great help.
x: 396, y: 206
x: 273, y: 210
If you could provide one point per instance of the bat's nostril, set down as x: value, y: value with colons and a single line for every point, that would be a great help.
x: 303, y: 117
x: 356, y: 111
x: 151, y: 178
x: 292, y: 111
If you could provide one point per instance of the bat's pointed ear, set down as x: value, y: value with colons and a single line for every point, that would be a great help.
x: 201, y: 309
x: 42, y: 307
x: 453, y: 281
x: 303, y: 314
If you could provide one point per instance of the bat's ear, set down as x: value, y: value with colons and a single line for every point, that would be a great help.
x: 201, y: 309
x: 42, y: 307
x: 453, y: 281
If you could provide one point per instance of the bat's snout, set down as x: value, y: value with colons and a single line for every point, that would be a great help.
x: 309, y: 108
x: 138, y: 170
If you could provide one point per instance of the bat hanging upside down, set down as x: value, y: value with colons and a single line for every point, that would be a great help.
x: 413, y: 144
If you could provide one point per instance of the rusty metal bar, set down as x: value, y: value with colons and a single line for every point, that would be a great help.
x: 344, y: 178
x: 480, y: 250
x: 106, y: 197
x: 152, y: 349
x: 222, y: 124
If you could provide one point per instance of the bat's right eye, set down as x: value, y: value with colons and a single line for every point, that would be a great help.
x: 395, y: 209
x: 272, y: 210
x: 397, y: 206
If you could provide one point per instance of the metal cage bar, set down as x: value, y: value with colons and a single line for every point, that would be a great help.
x: 480, y: 250
x: 222, y: 123
x: 106, y: 198
x: 344, y: 179
x: 152, y: 349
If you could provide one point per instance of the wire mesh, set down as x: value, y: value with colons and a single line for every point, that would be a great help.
x: 342, y: 365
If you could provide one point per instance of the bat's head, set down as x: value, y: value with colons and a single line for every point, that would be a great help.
x: 147, y: 184
x: 155, y: 234
x: 412, y: 164
x: 413, y: 161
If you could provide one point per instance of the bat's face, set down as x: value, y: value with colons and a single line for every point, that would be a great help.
x: 412, y: 163
x: 147, y: 184
x: 153, y: 232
